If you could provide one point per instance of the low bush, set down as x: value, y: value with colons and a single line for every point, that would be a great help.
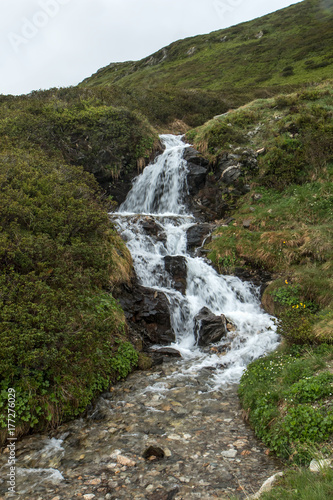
x: 63, y: 336
x: 287, y: 397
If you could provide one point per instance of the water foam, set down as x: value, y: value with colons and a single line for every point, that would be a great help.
x: 158, y: 194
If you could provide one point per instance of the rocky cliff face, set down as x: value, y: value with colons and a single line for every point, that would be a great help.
x: 214, y: 188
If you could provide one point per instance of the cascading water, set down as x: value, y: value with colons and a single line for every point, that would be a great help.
x: 159, y: 193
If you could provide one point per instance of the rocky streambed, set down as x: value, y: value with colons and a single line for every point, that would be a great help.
x: 155, y: 436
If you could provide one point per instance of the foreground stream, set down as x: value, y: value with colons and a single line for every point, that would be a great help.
x: 187, y: 409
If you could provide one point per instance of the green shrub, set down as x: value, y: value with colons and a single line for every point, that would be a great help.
x: 288, y: 402
x: 62, y: 333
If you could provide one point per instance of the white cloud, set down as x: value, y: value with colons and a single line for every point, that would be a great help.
x: 47, y: 43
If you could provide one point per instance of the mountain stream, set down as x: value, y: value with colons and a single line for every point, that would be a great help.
x: 175, y: 431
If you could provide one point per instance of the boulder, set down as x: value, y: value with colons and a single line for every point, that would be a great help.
x: 231, y: 166
x: 166, y: 351
x: 196, y: 235
x: 207, y: 204
x: 176, y: 267
x: 153, y: 228
x: 147, y: 312
x: 209, y: 328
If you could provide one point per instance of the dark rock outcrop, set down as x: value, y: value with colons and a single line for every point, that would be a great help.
x: 209, y: 328
x: 175, y: 266
x: 147, y: 313
x: 196, y: 178
x: 118, y: 187
x: 191, y: 155
x: 197, y: 234
x: 153, y: 452
x: 197, y: 170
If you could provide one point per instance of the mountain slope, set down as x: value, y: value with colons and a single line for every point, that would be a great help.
x: 279, y: 51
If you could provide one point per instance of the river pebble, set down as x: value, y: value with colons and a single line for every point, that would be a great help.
x: 209, y: 452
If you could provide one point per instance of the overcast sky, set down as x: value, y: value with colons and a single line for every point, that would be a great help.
x: 57, y: 43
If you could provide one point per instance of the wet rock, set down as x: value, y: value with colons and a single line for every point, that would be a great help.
x: 147, y: 312
x: 209, y: 328
x: 153, y: 452
x: 196, y: 178
x: 127, y: 462
x: 167, y: 351
x: 176, y: 267
x: 160, y: 494
x: 258, y: 277
x: 153, y: 228
x: 196, y: 235
x: 193, y: 156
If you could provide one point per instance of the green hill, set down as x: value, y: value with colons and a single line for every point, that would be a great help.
x: 226, y: 68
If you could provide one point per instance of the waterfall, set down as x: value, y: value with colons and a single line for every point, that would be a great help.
x: 158, y: 194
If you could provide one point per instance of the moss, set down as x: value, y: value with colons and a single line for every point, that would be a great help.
x: 144, y: 362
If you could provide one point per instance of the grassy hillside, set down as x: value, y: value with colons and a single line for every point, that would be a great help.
x: 283, y: 226
x: 260, y: 58
x: 290, y: 232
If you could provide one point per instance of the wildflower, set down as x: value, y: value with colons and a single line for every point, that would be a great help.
x: 286, y: 282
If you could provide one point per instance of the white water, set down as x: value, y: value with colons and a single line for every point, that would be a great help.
x: 158, y: 193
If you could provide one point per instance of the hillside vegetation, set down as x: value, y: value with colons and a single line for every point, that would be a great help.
x: 283, y: 226
x: 227, y: 68
x: 63, y: 336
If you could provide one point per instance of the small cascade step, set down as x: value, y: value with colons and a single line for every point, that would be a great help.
x: 163, y: 237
